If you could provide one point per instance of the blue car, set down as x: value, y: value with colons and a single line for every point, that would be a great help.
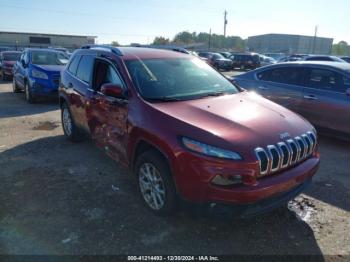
x: 38, y: 72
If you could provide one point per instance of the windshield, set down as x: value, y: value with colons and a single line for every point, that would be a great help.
x: 49, y: 58
x: 11, y: 56
x: 218, y: 56
x: 177, y: 79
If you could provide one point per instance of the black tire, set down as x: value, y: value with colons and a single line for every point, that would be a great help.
x: 155, y: 159
x: 30, y: 98
x: 15, y: 86
x: 73, y: 133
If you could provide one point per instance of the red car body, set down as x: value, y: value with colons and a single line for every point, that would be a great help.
x: 239, y: 122
x: 7, y: 60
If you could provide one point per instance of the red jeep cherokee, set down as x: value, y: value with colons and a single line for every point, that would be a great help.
x: 185, y: 130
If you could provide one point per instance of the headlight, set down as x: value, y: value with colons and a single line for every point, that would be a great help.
x: 208, y: 150
x: 39, y: 74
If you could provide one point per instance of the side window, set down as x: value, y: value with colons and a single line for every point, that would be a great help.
x: 264, y: 75
x: 73, y: 66
x: 104, y: 73
x: 290, y: 76
x: 326, y: 80
x: 84, y: 71
x: 26, y: 58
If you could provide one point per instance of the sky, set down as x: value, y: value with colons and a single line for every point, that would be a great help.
x: 139, y: 21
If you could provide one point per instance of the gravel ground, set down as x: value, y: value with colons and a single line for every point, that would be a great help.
x: 62, y: 198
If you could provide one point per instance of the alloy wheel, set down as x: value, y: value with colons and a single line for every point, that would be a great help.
x: 152, y: 186
x: 67, y: 121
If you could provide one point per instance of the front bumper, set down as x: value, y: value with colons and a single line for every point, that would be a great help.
x: 261, y: 207
x: 7, y: 71
x: 43, y: 88
x: 194, y: 175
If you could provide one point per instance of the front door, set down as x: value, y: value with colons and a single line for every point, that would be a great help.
x: 281, y: 85
x: 107, y: 116
x: 325, y: 102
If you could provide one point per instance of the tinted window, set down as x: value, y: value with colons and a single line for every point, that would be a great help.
x: 326, y: 79
x: 291, y: 76
x: 85, y: 68
x: 73, y: 66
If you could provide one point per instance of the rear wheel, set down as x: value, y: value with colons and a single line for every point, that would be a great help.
x: 155, y: 183
x: 70, y: 130
x: 28, y: 93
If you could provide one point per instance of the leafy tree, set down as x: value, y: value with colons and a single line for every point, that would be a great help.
x: 115, y: 43
x: 342, y: 48
x: 185, y: 37
x: 159, y: 40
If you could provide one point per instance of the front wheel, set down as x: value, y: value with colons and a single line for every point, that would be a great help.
x: 3, y: 76
x: 28, y: 93
x: 14, y: 86
x: 155, y: 183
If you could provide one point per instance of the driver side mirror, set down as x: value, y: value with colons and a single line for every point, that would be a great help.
x: 347, y: 92
x: 113, y: 90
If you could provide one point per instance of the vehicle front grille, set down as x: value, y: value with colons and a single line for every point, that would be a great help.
x: 284, y: 154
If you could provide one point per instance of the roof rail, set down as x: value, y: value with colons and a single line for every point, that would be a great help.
x: 113, y: 49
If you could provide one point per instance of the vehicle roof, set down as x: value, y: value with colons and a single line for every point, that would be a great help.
x: 11, y: 52
x: 135, y: 53
x: 336, y: 65
x: 43, y: 49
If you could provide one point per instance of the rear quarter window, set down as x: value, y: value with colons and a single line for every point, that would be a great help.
x: 84, y: 72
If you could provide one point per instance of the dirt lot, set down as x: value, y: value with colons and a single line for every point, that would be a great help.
x: 62, y: 198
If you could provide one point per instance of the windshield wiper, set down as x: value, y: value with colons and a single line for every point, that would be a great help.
x: 214, y: 94
x: 164, y: 99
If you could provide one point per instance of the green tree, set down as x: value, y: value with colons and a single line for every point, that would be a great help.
x: 115, y: 43
x: 342, y: 48
x: 159, y: 40
x: 185, y: 37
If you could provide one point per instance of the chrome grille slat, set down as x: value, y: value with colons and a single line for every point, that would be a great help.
x: 274, y: 158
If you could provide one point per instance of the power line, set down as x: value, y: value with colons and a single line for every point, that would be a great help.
x: 118, y: 18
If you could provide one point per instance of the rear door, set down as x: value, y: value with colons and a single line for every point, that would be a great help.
x: 325, y: 102
x: 281, y: 85
x: 80, y: 90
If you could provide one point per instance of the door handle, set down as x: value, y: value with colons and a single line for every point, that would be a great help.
x: 310, y: 97
x: 263, y: 88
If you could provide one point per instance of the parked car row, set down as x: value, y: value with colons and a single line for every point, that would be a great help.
x: 229, y: 61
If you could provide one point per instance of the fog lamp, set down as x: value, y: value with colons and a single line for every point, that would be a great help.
x: 221, y: 180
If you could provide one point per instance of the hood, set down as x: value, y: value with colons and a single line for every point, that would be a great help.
x: 243, y: 119
x: 50, y: 68
x: 9, y: 63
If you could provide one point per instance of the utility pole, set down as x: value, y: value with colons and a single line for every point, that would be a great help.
x: 209, y: 38
x: 225, y: 22
x: 314, y: 42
